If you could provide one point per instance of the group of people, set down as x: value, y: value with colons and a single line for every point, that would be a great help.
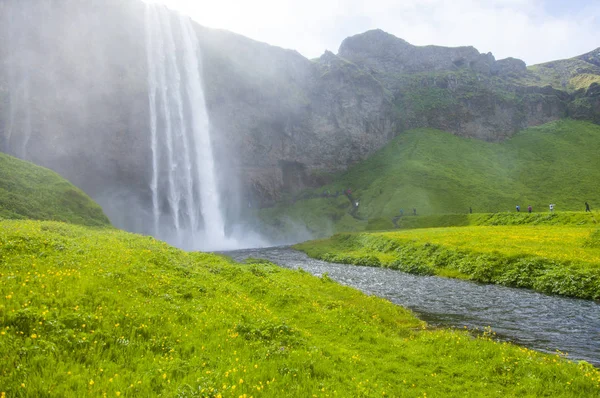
x: 530, y: 209
x: 348, y: 193
x: 414, y: 212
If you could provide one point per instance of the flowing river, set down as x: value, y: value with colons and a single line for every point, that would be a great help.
x: 538, y: 321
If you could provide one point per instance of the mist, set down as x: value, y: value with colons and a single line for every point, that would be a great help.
x: 210, y: 140
x: 111, y: 95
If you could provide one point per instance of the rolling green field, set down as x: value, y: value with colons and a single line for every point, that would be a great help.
x: 439, y: 173
x: 28, y: 191
x: 101, y: 312
x: 559, y: 259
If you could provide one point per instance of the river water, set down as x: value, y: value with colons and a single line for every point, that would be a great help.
x: 535, y: 320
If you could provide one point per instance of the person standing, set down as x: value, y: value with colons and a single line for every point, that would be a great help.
x: 518, y: 208
x: 587, y: 207
x: 414, y: 211
x: 470, y: 210
x: 529, y: 208
x: 551, y: 208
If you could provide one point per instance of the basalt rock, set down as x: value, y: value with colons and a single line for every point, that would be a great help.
x: 510, y: 67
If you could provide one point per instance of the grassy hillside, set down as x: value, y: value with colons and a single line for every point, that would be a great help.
x: 553, y: 259
x: 571, y: 218
x: 28, y: 191
x: 439, y: 173
x: 570, y: 74
x: 94, y: 312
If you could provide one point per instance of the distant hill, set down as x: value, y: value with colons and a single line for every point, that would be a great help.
x: 32, y: 192
x: 438, y: 173
x: 571, y: 74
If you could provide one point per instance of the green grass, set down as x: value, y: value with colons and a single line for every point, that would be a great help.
x: 313, y: 216
x: 557, y: 259
x: 28, y: 191
x: 439, y: 173
x: 506, y: 218
x: 88, y: 312
x: 567, y: 74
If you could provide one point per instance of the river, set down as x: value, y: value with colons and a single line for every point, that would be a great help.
x: 538, y: 321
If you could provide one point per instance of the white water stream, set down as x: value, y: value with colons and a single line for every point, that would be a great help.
x: 19, y: 126
x: 186, y: 207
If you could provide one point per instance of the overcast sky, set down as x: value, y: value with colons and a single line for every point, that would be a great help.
x: 533, y: 30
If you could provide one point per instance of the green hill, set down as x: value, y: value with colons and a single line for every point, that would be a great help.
x: 100, y: 312
x: 439, y: 173
x: 571, y: 74
x: 28, y: 191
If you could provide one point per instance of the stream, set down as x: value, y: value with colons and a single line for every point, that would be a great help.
x: 538, y: 321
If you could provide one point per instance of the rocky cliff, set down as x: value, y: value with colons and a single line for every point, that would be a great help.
x: 73, y: 97
x: 468, y: 93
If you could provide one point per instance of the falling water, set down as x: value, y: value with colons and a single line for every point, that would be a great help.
x: 19, y: 125
x: 185, y: 197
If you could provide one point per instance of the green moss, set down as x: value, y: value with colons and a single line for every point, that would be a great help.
x: 32, y: 192
x: 584, y: 80
x: 88, y: 312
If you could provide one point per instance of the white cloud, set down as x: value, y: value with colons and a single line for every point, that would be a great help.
x: 525, y: 29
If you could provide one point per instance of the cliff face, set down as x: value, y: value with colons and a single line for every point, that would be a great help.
x: 290, y: 119
x: 287, y: 118
x: 468, y: 93
x: 73, y: 97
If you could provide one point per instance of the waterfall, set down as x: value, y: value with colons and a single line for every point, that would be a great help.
x: 186, y: 209
x: 18, y: 69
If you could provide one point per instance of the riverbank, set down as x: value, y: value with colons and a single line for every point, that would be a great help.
x: 551, y: 259
x: 537, y: 321
x: 88, y: 311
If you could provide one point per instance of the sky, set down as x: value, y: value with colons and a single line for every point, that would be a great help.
x: 535, y: 31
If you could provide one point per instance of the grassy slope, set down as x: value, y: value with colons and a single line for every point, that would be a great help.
x: 28, y: 191
x: 571, y: 74
x: 506, y: 218
x: 436, y: 172
x: 556, y: 259
x: 85, y: 312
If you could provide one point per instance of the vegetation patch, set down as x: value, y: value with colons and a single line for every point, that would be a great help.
x: 559, y: 260
x: 28, y: 191
x: 566, y: 74
x: 437, y: 173
x: 571, y: 218
x: 100, y: 312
